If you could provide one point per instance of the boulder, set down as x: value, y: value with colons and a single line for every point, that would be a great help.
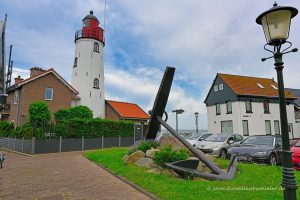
x: 150, y: 153
x: 135, y: 156
x: 145, y: 162
x: 125, y: 157
x: 170, y: 141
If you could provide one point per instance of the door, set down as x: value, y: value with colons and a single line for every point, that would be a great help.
x: 226, y: 127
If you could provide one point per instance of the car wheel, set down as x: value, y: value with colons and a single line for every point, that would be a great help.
x: 223, y: 154
x: 273, y: 159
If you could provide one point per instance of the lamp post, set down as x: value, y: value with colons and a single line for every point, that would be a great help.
x: 177, y: 111
x: 196, y: 120
x: 276, y: 25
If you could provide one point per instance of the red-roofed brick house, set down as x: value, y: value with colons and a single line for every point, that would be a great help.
x: 42, y: 85
x: 117, y: 110
x: 248, y: 106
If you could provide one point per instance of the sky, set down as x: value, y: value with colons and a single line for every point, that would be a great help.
x: 200, y: 38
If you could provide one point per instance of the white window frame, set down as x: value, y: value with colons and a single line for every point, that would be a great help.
x: 216, y: 88
x: 46, y: 94
x: 227, y: 107
x: 245, y: 128
x: 16, y: 97
x: 277, y: 127
x: 268, y: 127
x: 221, y: 87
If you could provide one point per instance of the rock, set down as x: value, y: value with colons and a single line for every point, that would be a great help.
x: 125, y: 157
x: 150, y: 153
x: 210, y: 157
x: 155, y: 170
x: 200, y: 167
x: 193, y: 158
x: 145, y: 162
x: 135, y: 156
x: 170, y: 141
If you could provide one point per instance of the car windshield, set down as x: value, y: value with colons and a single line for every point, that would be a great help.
x: 297, y: 144
x: 259, y: 140
x: 217, y: 138
x: 191, y: 136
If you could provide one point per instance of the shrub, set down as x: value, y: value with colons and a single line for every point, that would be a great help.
x: 167, y: 155
x: 39, y: 113
x: 6, y: 128
x: 90, y: 128
x: 146, y: 145
x: 79, y: 112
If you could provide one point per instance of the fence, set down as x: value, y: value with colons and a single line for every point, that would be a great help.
x: 33, y: 146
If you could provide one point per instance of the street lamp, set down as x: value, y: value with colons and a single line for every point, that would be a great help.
x: 276, y: 25
x: 196, y: 120
x: 177, y: 111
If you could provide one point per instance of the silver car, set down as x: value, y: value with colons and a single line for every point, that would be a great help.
x: 218, y: 144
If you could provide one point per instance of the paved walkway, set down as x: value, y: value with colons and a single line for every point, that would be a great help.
x: 60, y: 176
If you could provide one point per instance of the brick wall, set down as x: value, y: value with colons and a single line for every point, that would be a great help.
x: 110, y: 113
x: 35, y: 91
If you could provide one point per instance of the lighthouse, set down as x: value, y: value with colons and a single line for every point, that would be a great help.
x: 88, y: 68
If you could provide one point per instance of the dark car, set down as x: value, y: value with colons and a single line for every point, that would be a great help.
x: 259, y: 148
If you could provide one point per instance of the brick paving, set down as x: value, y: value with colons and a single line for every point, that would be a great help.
x: 61, y: 176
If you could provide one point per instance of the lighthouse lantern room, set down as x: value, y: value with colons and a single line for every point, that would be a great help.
x: 88, y: 68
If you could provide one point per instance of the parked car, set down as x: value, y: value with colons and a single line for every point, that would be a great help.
x: 194, y: 139
x: 296, y: 155
x: 259, y: 148
x: 218, y: 144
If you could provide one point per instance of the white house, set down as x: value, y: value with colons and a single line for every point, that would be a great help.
x: 248, y: 106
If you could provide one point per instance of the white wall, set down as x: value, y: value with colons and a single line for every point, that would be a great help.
x: 89, y: 66
x: 256, y: 119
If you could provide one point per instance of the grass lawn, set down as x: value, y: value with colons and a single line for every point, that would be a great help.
x: 252, y: 181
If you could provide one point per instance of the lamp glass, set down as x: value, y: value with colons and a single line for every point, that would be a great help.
x: 276, y: 25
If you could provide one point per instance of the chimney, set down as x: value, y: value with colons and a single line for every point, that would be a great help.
x: 36, y: 71
x: 18, y: 80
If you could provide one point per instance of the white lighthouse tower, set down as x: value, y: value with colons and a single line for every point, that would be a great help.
x: 88, y: 69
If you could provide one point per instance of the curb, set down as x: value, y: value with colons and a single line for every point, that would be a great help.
x: 17, y: 152
x: 126, y: 181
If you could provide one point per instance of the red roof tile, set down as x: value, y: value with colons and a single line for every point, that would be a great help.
x: 245, y: 85
x: 128, y: 110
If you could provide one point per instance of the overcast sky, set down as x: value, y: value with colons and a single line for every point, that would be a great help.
x: 198, y: 37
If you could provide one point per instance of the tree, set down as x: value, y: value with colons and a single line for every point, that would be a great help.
x: 39, y: 113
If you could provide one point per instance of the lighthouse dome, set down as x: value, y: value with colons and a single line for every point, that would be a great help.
x: 90, y: 16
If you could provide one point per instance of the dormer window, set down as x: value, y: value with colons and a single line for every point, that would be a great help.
x: 96, y: 47
x: 274, y: 86
x: 96, y: 83
x: 260, y: 85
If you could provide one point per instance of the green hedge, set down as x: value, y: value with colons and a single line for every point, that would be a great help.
x: 91, y: 128
x: 6, y: 129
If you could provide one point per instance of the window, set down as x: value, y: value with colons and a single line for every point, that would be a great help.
x: 96, y: 83
x: 221, y: 87
x: 276, y: 127
x: 274, y: 86
x: 75, y: 62
x: 16, y: 97
x: 268, y: 127
x: 228, y: 107
x: 260, y: 85
x: 216, y: 88
x: 86, y: 22
x: 218, y: 109
x: 266, y: 106
x: 96, y: 47
x: 238, y: 138
x: 248, y: 106
x: 226, y: 127
x: 49, y: 94
x: 245, y: 128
